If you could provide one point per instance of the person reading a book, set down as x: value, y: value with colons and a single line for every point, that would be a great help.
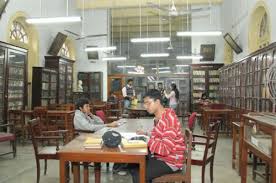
x: 85, y: 120
x: 166, y: 144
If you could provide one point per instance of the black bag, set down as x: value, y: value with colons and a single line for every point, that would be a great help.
x: 112, y: 139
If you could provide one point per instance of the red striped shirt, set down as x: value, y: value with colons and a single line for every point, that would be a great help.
x: 166, y: 141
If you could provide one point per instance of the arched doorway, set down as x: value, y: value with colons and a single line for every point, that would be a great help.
x: 21, y: 34
x: 259, y: 27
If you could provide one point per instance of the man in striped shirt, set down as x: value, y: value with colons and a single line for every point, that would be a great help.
x: 166, y: 145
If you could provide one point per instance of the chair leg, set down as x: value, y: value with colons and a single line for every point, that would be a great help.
x: 255, y: 161
x: 203, y: 174
x: 45, y: 166
x: 211, y: 171
x: 37, y: 170
x: 14, y: 148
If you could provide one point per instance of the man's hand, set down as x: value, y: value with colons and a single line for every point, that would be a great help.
x: 113, y: 124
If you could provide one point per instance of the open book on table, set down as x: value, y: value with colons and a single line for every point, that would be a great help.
x: 132, y: 140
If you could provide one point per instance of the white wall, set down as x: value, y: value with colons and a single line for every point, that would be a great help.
x: 95, y: 22
x: 32, y: 9
x: 208, y: 21
x: 236, y: 20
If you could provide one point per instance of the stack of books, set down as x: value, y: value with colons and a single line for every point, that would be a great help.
x: 93, y: 143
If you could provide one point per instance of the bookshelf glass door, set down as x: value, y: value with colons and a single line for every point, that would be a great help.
x: 16, y: 75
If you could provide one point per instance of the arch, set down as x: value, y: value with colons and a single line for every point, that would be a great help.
x: 228, y: 54
x: 32, y: 45
x: 259, y: 27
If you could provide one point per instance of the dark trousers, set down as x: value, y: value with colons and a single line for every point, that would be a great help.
x: 154, y: 168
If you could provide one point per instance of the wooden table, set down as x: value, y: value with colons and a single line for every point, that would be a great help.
x: 235, y: 133
x: 209, y: 113
x: 75, y: 152
x: 137, y: 111
x: 265, y: 122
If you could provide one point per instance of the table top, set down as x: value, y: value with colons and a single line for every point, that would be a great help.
x: 129, y: 125
x: 138, y: 107
x: 267, y: 119
x: 206, y: 109
x: 50, y: 112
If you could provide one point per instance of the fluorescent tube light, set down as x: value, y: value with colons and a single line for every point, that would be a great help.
x: 150, y: 39
x: 182, y: 65
x: 126, y: 66
x: 114, y: 58
x: 160, y: 68
x: 147, y: 55
x: 90, y: 49
x: 132, y: 72
x: 164, y: 72
x: 210, y: 33
x: 53, y: 20
x: 189, y: 57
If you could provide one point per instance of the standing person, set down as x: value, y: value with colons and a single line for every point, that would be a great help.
x: 128, y: 94
x: 85, y: 120
x: 173, y: 96
x: 166, y: 145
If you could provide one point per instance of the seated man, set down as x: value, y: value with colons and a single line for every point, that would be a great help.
x: 166, y: 145
x: 85, y: 120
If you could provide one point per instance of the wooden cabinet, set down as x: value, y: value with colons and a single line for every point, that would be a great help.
x: 259, y: 137
x: 13, y: 79
x: 44, y: 87
x: 205, y: 78
x: 92, y: 84
x: 243, y: 84
x: 64, y: 69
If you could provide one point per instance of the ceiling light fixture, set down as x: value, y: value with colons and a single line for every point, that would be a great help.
x: 126, y: 66
x: 192, y: 33
x: 114, y: 58
x: 150, y: 40
x: 53, y: 20
x: 110, y: 48
x: 182, y: 65
x: 186, y: 57
x: 160, y: 68
x: 160, y: 72
x: 148, y: 55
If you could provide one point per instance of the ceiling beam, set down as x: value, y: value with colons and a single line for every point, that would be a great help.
x: 104, y: 4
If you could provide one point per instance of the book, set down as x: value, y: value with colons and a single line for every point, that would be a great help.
x: 133, y: 143
x: 92, y: 143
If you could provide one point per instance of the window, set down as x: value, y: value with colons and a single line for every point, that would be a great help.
x: 65, y: 51
x: 18, y: 32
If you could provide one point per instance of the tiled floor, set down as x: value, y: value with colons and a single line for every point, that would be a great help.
x: 22, y: 169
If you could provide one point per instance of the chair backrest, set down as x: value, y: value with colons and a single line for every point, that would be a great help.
x: 188, y: 154
x: 66, y: 107
x: 33, y: 128
x: 217, y: 106
x: 191, y: 121
x: 15, y: 117
x: 212, y: 135
x: 42, y: 114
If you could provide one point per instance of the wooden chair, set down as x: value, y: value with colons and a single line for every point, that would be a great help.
x: 42, y: 114
x: 185, y: 174
x: 206, y: 154
x: 47, y: 151
x: 8, y: 136
x: 15, y: 117
x: 113, y: 112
